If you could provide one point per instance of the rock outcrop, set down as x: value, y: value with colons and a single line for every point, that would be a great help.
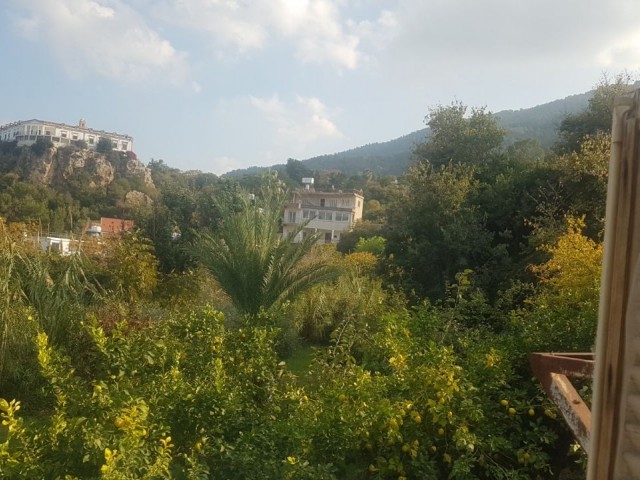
x: 137, y: 199
x: 57, y: 165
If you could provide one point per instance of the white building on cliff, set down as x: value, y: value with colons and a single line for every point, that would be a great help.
x: 26, y: 132
x: 330, y: 213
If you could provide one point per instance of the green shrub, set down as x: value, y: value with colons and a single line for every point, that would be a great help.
x: 41, y: 145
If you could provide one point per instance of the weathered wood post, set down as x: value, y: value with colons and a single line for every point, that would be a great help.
x: 615, y: 438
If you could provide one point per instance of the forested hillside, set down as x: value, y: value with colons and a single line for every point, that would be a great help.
x: 204, y: 345
x: 394, y: 157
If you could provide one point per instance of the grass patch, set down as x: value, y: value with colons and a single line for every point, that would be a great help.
x: 300, y: 360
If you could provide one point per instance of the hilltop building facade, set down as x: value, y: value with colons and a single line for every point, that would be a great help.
x: 330, y: 213
x: 28, y: 131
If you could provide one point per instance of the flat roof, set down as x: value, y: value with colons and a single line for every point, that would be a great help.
x: 64, y: 125
x: 335, y: 193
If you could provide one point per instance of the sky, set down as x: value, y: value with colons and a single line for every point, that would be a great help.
x: 216, y: 85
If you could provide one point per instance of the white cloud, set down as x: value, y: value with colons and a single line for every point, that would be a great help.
x: 223, y: 21
x: 502, y: 53
x: 298, y: 124
x: 225, y: 164
x: 251, y: 130
x: 623, y: 52
x: 314, y: 29
x: 505, y: 31
x: 107, y: 38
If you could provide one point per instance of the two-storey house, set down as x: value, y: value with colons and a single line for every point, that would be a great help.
x: 331, y: 213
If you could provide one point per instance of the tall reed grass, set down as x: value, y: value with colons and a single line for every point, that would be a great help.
x: 39, y: 292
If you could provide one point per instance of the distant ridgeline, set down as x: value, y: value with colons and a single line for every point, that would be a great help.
x: 393, y: 157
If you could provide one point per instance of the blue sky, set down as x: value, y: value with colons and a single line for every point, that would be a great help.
x: 215, y: 85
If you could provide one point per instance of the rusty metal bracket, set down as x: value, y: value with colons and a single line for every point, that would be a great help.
x: 553, y: 371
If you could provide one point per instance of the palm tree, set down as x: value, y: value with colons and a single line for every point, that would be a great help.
x: 253, y: 264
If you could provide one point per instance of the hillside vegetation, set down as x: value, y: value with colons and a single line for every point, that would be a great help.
x: 206, y: 346
x: 394, y: 157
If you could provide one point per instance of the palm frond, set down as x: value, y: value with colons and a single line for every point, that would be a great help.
x: 252, y: 263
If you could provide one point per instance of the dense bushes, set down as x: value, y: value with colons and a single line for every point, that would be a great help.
x: 191, y: 397
x: 437, y: 390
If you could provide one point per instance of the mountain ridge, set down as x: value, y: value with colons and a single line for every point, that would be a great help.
x: 393, y: 157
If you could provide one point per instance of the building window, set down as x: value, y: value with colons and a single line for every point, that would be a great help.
x: 305, y: 214
x: 321, y: 215
x: 342, y: 217
x: 63, y: 134
x: 74, y: 136
x: 322, y: 202
x: 358, y: 203
x: 90, y: 140
x: 124, y: 145
x: 313, y: 214
x: 332, y: 203
x: 292, y: 217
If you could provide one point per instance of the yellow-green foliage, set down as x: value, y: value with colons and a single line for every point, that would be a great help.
x: 189, y: 398
x: 362, y: 263
x: 592, y: 159
x: 127, y: 267
x: 563, y: 313
x: 572, y: 273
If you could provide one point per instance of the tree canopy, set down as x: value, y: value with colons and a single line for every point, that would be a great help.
x: 461, y: 138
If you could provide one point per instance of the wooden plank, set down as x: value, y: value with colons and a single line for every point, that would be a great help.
x: 553, y: 371
x: 609, y: 444
x: 574, y: 411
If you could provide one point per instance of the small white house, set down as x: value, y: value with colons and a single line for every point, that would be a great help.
x: 63, y: 246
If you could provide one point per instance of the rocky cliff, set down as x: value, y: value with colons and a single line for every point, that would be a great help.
x: 56, y: 165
